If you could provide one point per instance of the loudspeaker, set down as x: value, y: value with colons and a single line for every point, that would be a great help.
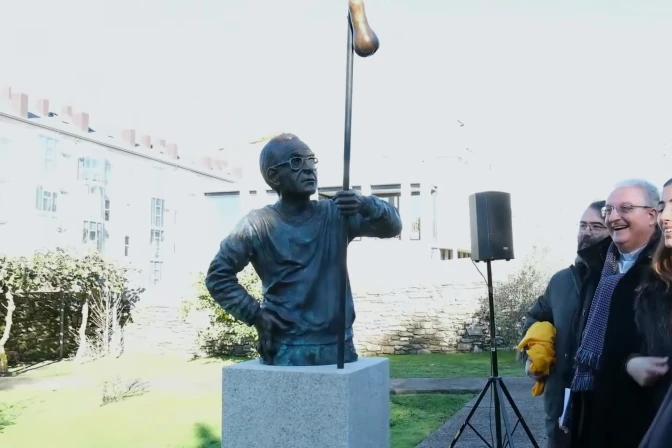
x: 491, y: 230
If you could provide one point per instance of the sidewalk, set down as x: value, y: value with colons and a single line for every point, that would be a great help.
x: 520, y: 389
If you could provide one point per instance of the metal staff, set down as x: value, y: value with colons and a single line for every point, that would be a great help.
x: 363, y: 41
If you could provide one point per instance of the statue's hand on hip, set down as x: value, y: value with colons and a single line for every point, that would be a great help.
x: 266, y: 324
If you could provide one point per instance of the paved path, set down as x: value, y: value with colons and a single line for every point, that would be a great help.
x: 53, y: 383
x: 438, y: 385
x: 530, y: 407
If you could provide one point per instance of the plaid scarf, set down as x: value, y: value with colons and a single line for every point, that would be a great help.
x: 592, y: 342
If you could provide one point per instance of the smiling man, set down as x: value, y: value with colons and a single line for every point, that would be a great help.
x: 296, y: 247
x: 608, y: 408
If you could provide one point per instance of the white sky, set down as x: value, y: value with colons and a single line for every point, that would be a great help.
x: 569, y: 96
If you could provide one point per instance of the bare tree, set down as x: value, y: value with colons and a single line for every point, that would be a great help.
x: 11, y: 306
x: 103, y: 313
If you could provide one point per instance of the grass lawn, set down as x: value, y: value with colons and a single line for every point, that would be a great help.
x: 453, y: 365
x: 181, y: 408
x: 181, y: 419
x: 415, y: 417
x: 450, y: 365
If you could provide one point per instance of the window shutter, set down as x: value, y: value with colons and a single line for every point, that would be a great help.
x: 38, y: 198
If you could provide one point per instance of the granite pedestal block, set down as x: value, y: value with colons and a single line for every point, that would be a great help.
x: 306, y: 407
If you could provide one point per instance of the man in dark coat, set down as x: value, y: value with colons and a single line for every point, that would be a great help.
x: 559, y: 305
x: 608, y: 408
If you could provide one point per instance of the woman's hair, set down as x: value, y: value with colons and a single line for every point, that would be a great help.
x: 662, y: 258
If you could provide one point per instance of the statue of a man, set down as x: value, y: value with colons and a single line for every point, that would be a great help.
x: 296, y: 247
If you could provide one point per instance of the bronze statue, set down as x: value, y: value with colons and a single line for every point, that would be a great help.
x: 296, y: 245
x: 299, y: 247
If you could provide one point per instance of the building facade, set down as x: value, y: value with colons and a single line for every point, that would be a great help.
x: 63, y: 184
x: 408, y: 185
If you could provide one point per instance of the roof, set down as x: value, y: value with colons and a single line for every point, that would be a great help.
x: 76, y: 124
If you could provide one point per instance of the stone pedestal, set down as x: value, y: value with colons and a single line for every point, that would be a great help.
x: 306, y: 407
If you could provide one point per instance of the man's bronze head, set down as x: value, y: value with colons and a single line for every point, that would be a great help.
x: 289, y: 166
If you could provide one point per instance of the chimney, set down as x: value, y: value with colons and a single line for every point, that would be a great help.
x: 237, y: 171
x: 81, y: 121
x: 128, y: 136
x: 217, y: 164
x: 42, y: 107
x: 146, y: 141
x: 206, y: 163
x: 171, y: 150
x: 161, y: 145
x: 7, y: 93
x: 66, y: 111
x: 20, y: 104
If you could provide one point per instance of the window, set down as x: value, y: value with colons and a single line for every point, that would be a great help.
x: 127, y: 245
x: 461, y: 254
x: 93, y: 169
x: 155, y: 270
x: 435, y: 227
x: 416, y: 210
x: 392, y: 198
x: 155, y: 240
x: 5, y: 156
x: 156, y: 237
x: 227, y: 208
x: 446, y: 254
x: 92, y: 234
x: 158, y: 209
x: 50, y: 146
x: 45, y: 201
x: 97, y: 204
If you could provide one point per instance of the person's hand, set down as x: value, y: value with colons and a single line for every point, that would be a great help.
x: 266, y: 324
x: 646, y: 370
x: 562, y: 428
x: 528, y: 364
x: 350, y: 202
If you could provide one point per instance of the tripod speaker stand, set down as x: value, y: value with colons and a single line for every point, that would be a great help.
x: 492, y: 239
x: 500, y: 393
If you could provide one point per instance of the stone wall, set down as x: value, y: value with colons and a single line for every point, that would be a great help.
x: 163, y: 330
x: 426, y: 308
x: 423, y: 319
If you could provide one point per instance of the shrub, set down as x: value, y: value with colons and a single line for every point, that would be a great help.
x: 58, y: 288
x: 513, y: 298
x: 118, y: 389
x: 224, y: 334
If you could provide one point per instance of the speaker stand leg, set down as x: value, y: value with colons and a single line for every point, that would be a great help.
x: 501, y: 393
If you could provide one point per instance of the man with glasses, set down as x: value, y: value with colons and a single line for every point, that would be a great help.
x: 608, y: 409
x: 296, y: 246
x: 559, y: 305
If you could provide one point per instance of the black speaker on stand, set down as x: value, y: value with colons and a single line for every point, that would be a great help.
x: 492, y: 239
